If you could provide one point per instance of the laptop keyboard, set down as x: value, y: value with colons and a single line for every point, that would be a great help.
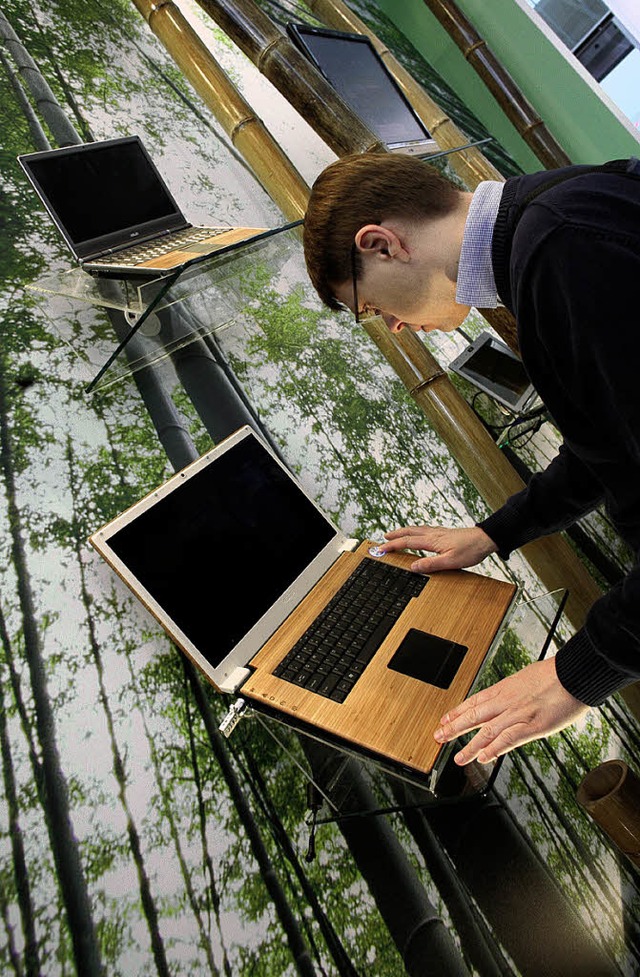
x: 332, y: 654
x: 138, y: 253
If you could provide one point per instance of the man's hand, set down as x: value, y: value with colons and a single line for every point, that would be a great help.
x: 456, y: 548
x: 524, y: 706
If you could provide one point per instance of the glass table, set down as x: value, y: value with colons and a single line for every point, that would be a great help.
x: 154, y: 318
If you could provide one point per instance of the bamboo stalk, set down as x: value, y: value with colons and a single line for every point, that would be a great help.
x: 247, y: 132
x: 511, y: 100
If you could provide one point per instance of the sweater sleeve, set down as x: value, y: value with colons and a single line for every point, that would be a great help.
x: 553, y: 500
x: 604, y: 655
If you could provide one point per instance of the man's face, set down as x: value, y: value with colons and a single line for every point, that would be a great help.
x: 407, y: 273
x: 405, y: 297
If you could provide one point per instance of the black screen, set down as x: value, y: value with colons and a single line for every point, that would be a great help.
x: 221, y: 548
x: 353, y: 68
x: 496, y: 366
x: 101, y: 189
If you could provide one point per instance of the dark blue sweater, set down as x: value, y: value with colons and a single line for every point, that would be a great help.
x: 568, y: 267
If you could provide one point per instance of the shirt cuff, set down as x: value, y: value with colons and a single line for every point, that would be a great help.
x: 584, y: 673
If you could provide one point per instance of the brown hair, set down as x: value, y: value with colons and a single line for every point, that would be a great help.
x: 365, y: 188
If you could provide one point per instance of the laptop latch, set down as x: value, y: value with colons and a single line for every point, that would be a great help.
x: 233, y: 717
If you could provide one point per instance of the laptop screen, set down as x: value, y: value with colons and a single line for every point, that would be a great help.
x: 102, y: 194
x: 220, y: 548
x: 353, y: 67
x: 491, y: 363
x: 492, y: 367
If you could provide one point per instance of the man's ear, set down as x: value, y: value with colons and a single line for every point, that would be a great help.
x: 379, y: 240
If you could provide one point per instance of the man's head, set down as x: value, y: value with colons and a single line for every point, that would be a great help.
x: 369, y: 214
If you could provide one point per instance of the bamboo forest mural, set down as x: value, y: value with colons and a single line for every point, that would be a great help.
x: 135, y: 839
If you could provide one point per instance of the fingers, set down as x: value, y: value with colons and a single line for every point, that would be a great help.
x: 406, y: 531
x: 523, y: 707
x: 415, y: 538
x: 431, y: 564
x: 476, y: 711
x: 498, y: 735
x: 486, y: 746
x: 407, y: 538
x: 455, y: 548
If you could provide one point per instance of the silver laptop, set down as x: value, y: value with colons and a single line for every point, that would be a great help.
x: 490, y: 365
x: 259, y: 589
x: 116, y: 213
x: 351, y: 64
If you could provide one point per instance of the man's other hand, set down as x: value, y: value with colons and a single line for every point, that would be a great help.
x: 523, y: 707
x: 455, y: 548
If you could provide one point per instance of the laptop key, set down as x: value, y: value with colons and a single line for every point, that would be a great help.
x: 313, y: 682
x: 328, y: 685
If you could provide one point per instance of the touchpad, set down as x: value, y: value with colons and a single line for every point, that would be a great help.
x: 428, y: 658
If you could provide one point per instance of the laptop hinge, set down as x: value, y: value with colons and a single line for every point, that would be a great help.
x: 235, y: 679
x: 134, y: 242
x: 349, y: 545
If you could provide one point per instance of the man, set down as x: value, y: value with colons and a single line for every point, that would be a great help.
x: 388, y: 235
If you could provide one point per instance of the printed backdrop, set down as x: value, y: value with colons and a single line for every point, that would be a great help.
x: 134, y: 839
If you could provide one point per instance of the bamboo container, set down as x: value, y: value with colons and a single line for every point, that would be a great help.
x: 611, y: 795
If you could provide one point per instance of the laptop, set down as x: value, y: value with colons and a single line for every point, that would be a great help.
x: 351, y: 64
x: 242, y: 569
x: 116, y: 213
x: 492, y: 367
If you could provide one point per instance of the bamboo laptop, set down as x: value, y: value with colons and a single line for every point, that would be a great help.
x: 117, y: 214
x: 237, y: 563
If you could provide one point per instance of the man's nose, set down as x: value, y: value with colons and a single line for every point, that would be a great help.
x: 393, y: 324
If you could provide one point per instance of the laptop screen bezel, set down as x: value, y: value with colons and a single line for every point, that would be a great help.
x: 94, y: 247
x: 249, y: 645
x: 299, y: 33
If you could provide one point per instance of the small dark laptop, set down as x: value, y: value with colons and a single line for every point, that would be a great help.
x: 115, y: 211
x: 259, y: 589
x: 491, y: 366
x: 351, y: 64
